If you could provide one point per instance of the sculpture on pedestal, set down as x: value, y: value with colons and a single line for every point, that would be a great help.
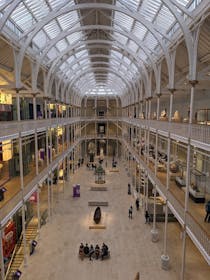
x: 97, y: 215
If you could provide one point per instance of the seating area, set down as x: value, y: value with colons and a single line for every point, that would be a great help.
x: 94, y: 252
x: 98, y: 203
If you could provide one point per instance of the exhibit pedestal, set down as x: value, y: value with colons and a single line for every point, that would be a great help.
x: 155, y: 236
x: 165, y: 262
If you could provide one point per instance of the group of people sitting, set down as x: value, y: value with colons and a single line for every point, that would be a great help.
x: 90, y: 251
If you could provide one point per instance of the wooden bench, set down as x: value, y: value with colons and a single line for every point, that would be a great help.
x: 97, y: 227
x: 98, y: 188
x: 114, y: 170
x: 98, y: 203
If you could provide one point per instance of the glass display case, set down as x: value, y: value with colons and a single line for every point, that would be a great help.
x: 203, y: 116
x: 99, y: 175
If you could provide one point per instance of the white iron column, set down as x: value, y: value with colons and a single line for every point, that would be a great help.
x: 154, y: 230
x: 23, y: 206
x: 184, y: 235
x: 165, y: 257
x: 158, y: 105
x: 18, y: 104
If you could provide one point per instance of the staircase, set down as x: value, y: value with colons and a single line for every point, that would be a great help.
x: 142, y: 180
x: 18, y: 254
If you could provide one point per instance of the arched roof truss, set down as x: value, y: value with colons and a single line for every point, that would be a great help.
x: 104, y: 43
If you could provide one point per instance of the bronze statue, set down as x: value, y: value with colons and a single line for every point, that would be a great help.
x: 97, y: 215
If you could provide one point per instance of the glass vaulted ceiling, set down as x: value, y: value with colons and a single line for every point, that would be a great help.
x: 95, y: 47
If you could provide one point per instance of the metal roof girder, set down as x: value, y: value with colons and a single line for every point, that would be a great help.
x: 8, y: 13
x: 98, y: 56
x: 63, y: 35
x: 100, y: 69
x: 127, y: 50
x: 93, y: 46
x: 151, y: 27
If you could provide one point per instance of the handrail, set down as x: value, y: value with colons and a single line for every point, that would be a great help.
x: 200, y: 133
x: 177, y: 207
x: 16, y: 201
x: 200, y: 237
x: 13, y: 255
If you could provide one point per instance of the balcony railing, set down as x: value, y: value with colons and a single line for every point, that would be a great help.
x: 197, y: 234
x: 196, y: 132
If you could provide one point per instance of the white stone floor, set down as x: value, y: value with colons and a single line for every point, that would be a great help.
x: 56, y: 256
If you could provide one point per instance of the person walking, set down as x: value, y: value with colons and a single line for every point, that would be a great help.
x: 137, y: 204
x: 207, y: 207
x: 130, y: 212
x: 146, y: 217
x: 129, y: 188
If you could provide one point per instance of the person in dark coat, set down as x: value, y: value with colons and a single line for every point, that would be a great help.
x: 207, y: 207
x: 91, y: 252
x: 146, y: 217
x: 137, y: 204
x: 130, y: 212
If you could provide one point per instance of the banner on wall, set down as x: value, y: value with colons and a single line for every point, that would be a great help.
x: 6, y: 150
x: 5, y: 98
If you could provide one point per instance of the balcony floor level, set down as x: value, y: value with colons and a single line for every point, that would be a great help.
x: 130, y: 244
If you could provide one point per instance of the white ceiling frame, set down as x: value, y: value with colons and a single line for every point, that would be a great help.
x: 186, y: 33
x: 8, y: 13
x: 77, y: 70
x: 7, y: 3
x: 58, y: 61
x: 97, y: 74
x: 63, y: 35
x: 65, y: 3
x: 65, y: 70
x: 135, y: 15
x: 84, y: 73
x: 49, y: 75
x: 90, y: 87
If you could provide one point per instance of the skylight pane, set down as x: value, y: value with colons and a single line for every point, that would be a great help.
x: 52, y: 54
x: 61, y: 45
x: 120, y: 38
x: 56, y: 3
x: 39, y: 9
x: 133, y: 46
x: 165, y: 18
x: 40, y: 39
x: 139, y: 30
x: 74, y: 37
x: 123, y: 20
x: 52, y: 29
x: 151, y: 41
x: 68, y: 20
x: 22, y: 17
x: 149, y: 9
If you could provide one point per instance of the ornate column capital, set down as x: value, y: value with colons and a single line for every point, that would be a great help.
x: 34, y: 94
x: 158, y: 95
x: 193, y: 83
x: 172, y: 90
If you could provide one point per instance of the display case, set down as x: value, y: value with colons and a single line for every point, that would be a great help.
x: 99, y: 175
x: 203, y: 116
